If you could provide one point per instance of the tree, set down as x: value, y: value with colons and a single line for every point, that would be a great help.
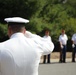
x: 52, y: 14
x: 3, y: 32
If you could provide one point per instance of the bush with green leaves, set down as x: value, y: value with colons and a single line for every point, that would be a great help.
x: 52, y: 14
x: 3, y: 32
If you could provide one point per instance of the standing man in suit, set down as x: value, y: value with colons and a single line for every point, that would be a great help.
x: 63, y: 43
x: 20, y: 55
x: 74, y: 47
x: 47, y: 57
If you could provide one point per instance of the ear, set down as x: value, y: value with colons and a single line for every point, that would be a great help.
x: 24, y: 31
x: 9, y: 31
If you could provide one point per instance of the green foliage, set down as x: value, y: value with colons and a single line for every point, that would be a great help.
x: 3, y: 31
x: 52, y: 14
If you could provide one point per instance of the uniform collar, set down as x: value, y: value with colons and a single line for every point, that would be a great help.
x: 17, y: 35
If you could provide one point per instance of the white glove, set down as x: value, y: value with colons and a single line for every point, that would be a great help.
x: 61, y: 46
x: 73, y: 45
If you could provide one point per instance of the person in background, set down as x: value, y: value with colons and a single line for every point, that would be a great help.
x: 63, y: 43
x: 47, y: 57
x: 20, y: 55
x: 74, y: 47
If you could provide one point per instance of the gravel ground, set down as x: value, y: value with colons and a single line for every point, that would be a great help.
x: 55, y: 57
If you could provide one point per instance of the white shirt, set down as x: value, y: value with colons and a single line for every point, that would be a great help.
x: 74, y: 38
x: 63, y: 39
x: 21, y: 55
x: 48, y: 37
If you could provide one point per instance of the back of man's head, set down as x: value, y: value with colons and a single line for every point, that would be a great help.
x: 16, y: 24
x: 15, y: 27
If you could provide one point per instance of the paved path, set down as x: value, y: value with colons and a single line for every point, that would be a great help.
x: 56, y: 68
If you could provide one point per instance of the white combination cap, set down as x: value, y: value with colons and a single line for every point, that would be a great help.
x: 16, y: 20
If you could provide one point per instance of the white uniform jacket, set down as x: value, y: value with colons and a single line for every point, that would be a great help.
x: 74, y: 38
x: 20, y: 55
x: 63, y: 39
x: 48, y: 37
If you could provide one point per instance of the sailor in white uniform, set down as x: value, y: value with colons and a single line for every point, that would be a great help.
x: 74, y: 47
x: 63, y: 43
x: 20, y: 55
x: 47, y: 57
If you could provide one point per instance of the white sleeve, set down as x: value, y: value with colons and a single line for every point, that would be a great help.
x: 59, y: 38
x: 48, y: 46
x: 30, y: 35
x: 0, y: 62
x: 45, y: 45
x: 73, y: 38
x: 50, y: 38
x: 66, y: 37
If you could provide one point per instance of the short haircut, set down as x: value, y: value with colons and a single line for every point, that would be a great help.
x: 16, y: 27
